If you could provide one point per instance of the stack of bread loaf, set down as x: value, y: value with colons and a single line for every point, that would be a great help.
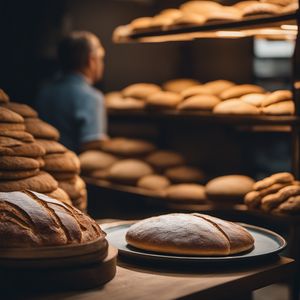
x: 139, y: 163
x: 197, y: 13
x: 279, y: 193
x: 21, y: 156
x: 219, y: 97
x: 59, y: 166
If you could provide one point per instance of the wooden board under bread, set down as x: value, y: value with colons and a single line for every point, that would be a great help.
x: 14, y: 280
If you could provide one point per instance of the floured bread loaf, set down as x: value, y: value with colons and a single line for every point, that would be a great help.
x: 189, y: 234
x: 30, y: 219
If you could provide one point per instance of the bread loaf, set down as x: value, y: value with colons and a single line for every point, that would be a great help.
x: 189, y: 234
x: 29, y: 219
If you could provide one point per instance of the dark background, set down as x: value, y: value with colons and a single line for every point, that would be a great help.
x: 31, y: 29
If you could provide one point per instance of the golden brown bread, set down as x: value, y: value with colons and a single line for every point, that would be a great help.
x: 140, y: 90
x: 8, y: 116
x: 163, y: 99
x: 190, y: 192
x: 62, y: 162
x: 51, y: 147
x: 163, y: 159
x: 20, y: 149
x: 12, y: 127
x: 178, y: 85
x: 283, y: 177
x: 60, y: 195
x: 240, y: 90
x: 229, y: 188
x: 42, y: 183
x: 96, y: 160
x: 29, y: 219
x: 153, y: 182
x: 127, y: 147
x: 22, y: 109
x: 129, y: 171
x: 18, y: 135
x: 184, y: 174
x: 199, y: 102
x: 40, y: 129
x: 16, y: 175
x: 189, y: 234
x: 13, y: 163
x: 73, y: 187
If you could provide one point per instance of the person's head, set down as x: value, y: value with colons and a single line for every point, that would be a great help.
x: 81, y: 51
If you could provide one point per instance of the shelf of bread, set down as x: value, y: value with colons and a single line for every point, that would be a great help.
x: 162, y: 176
x: 219, y: 101
x: 209, y: 19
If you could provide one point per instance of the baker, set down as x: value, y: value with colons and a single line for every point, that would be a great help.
x: 70, y: 102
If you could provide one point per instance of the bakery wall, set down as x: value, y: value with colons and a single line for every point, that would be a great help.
x: 32, y: 28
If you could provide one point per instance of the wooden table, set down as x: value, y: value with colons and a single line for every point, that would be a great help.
x: 133, y: 282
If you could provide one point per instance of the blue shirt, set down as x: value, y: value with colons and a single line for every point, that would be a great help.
x: 75, y: 108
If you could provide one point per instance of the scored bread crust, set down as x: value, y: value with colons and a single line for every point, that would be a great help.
x: 189, y: 234
x: 29, y: 219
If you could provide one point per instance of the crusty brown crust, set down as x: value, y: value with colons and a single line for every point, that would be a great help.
x: 42, y: 183
x: 18, y: 163
x: 30, y: 219
x: 8, y: 116
x: 62, y: 162
x: 189, y: 234
x: 22, y: 109
x: 41, y: 130
x: 51, y: 147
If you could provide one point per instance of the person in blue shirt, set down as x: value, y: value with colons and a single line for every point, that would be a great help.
x: 70, y: 102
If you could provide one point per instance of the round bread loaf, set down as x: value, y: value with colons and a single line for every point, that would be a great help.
x: 127, y: 147
x: 178, y: 85
x: 184, y: 174
x: 18, y: 135
x: 199, y: 102
x: 163, y: 100
x: 51, y: 147
x: 235, y: 107
x: 189, y: 234
x: 8, y: 116
x: 62, y: 162
x: 187, y: 192
x: 277, y: 96
x: 12, y: 126
x: 218, y: 86
x: 41, y: 130
x: 163, y: 159
x: 30, y: 219
x: 42, y: 183
x: 129, y: 171
x: 240, y: 90
x: 140, y: 90
x: 200, y: 89
x: 22, y: 109
x: 96, y: 160
x: 153, y: 182
x: 22, y: 149
x: 229, y: 188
